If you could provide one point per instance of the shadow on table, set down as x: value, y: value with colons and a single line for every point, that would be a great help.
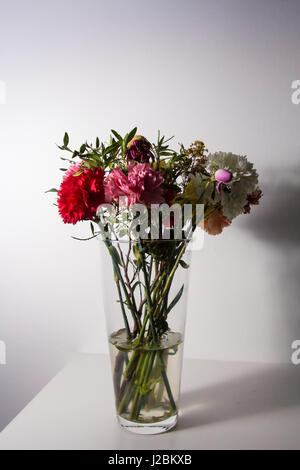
x: 273, y: 388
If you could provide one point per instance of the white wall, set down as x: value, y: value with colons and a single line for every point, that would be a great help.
x: 218, y: 70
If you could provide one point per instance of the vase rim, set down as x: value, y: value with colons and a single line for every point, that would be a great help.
x: 158, y: 240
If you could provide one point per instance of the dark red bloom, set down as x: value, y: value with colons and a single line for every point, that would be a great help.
x: 169, y: 194
x: 80, y: 196
x: 252, y: 200
x: 139, y: 150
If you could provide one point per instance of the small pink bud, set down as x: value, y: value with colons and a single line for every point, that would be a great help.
x: 223, y: 176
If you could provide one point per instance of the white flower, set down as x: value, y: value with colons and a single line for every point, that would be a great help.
x: 244, y: 181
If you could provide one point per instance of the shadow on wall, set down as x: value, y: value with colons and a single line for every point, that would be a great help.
x: 277, y: 222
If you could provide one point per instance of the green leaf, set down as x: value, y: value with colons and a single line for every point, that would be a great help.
x: 52, y: 190
x: 124, y: 144
x: 175, y: 300
x: 85, y: 239
x: 112, y: 148
x: 90, y: 163
x: 183, y: 264
x: 82, y: 148
x: 136, y: 251
x: 166, y: 154
x: 63, y: 169
x: 115, y: 255
x: 131, y: 134
x: 78, y: 173
x: 92, y: 228
x: 120, y: 138
x: 97, y: 142
x: 66, y: 139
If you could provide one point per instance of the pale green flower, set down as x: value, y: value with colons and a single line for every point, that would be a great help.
x: 244, y: 181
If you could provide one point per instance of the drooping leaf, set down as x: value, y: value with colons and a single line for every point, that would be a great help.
x: 82, y: 148
x: 175, y: 300
x: 184, y: 264
x: 85, y: 239
x: 52, y: 190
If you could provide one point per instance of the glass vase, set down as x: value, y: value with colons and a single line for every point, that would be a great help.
x: 145, y: 292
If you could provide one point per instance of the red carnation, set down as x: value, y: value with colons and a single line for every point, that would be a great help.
x: 80, y: 196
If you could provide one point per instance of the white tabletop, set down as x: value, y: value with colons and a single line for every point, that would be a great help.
x: 224, y: 405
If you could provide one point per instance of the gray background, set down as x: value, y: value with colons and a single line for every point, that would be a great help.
x: 217, y: 70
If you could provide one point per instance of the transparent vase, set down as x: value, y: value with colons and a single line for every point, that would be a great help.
x: 145, y: 292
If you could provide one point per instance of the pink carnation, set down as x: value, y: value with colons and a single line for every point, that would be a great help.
x: 142, y: 185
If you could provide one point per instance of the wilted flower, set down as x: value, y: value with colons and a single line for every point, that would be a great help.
x: 216, y: 222
x: 139, y: 149
x: 169, y: 194
x: 252, y: 200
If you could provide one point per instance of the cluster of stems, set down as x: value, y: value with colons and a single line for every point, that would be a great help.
x: 143, y: 283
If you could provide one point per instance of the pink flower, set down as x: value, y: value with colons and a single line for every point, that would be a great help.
x: 141, y: 185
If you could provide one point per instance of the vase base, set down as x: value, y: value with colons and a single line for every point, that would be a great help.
x: 148, y: 428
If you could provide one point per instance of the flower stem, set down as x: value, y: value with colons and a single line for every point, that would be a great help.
x: 123, y: 309
x: 166, y: 381
x: 147, y: 291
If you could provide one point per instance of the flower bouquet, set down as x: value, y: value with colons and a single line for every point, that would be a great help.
x: 144, y: 202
